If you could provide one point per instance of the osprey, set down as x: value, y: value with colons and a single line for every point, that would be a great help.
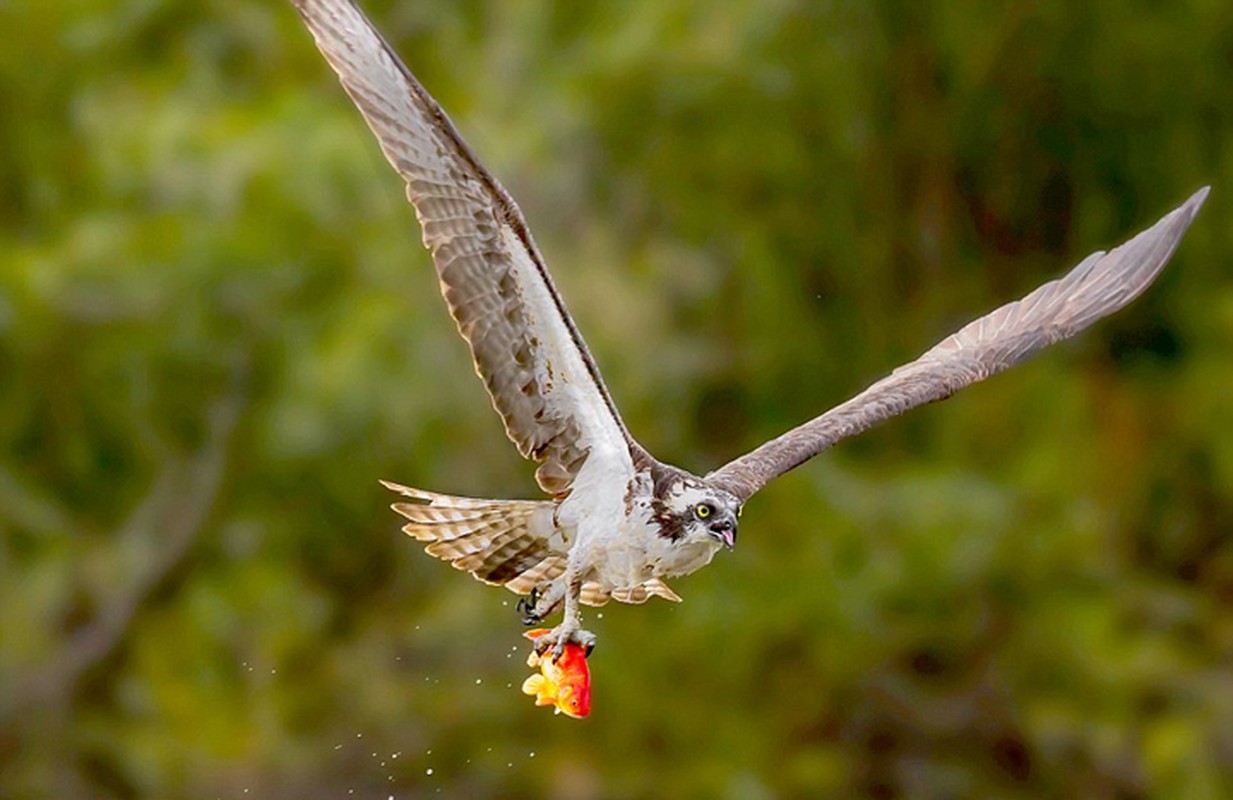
x: 618, y: 521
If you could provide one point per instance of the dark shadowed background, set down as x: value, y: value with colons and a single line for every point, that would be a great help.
x: 218, y: 330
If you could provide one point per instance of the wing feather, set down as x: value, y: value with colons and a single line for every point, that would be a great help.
x: 542, y: 379
x: 1101, y: 284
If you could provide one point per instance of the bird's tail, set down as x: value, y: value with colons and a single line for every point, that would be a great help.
x: 511, y: 543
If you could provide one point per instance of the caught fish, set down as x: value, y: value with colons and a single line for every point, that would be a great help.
x: 564, y: 682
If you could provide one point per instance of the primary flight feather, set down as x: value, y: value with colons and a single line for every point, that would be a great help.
x: 618, y: 521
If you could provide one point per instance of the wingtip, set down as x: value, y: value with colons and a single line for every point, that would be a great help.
x: 1196, y: 200
x: 1186, y: 212
x: 1180, y: 219
x: 1151, y: 249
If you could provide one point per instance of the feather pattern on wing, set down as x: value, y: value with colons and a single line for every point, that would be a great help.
x: 536, y: 367
x: 1101, y: 284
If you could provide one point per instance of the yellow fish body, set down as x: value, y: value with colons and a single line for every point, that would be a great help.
x: 564, y: 682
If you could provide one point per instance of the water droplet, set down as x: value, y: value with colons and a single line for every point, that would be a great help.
x: 428, y: 771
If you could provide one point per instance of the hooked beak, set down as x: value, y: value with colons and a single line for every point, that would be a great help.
x: 724, y: 529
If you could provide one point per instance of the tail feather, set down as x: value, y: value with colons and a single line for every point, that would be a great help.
x: 446, y: 500
x: 512, y: 543
x: 549, y: 569
x: 430, y: 514
x: 455, y: 542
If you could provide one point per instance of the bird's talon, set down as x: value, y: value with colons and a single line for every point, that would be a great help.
x: 554, y: 642
x: 526, y: 608
x: 542, y: 645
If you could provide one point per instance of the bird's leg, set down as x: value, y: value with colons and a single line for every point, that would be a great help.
x: 570, y: 629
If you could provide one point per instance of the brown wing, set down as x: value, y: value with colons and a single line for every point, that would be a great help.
x: 1101, y: 284
x: 538, y: 371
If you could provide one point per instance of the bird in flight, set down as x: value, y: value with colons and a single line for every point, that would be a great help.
x: 618, y: 522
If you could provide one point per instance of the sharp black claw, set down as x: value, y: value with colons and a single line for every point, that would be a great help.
x: 587, y: 640
x: 526, y: 608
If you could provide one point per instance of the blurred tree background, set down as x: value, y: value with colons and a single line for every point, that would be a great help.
x: 218, y: 329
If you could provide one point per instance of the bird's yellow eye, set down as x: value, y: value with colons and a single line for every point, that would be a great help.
x: 703, y: 510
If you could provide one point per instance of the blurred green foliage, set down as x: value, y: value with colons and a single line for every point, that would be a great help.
x: 218, y: 329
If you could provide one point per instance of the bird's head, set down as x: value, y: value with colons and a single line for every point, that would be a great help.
x: 690, y: 511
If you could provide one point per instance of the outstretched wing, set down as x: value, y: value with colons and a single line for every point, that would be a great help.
x: 540, y: 375
x: 1101, y: 284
